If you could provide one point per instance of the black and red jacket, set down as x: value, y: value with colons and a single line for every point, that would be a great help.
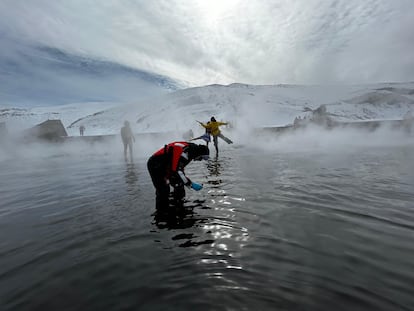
x: 175, y: 155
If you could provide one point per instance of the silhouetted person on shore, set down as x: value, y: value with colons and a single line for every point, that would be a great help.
x: 166, y: 167
x: 81, y: 130
x: 127, y: 139
x: 213, y: 126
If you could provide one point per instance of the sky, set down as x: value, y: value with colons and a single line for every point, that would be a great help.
x: 204, y: 42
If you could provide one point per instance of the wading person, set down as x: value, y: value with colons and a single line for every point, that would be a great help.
x: 206, y: 136
x: 166, y: 167
x: 213, y: 126
x: 127, y: 139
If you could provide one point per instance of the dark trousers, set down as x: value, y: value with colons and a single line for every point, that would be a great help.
x: 158, y: 170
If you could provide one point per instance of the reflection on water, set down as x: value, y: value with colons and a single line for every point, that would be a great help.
x: 131, y: 174
x: 184, y: 218
x: 304, y: 231
x: 177, y: 217
x: 214, y: 166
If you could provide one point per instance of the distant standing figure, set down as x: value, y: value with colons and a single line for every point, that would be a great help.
x: 81, y: 130
x: 127, y: 139
x: 213, y: 126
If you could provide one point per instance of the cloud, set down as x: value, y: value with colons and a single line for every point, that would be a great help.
x: 257, y: 42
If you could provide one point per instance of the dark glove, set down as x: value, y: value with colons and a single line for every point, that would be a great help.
x: 196, y: 186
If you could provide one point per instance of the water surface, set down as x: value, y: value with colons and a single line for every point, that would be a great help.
x: 308, y: 230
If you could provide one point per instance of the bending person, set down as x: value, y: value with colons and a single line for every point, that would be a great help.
x: 166, y: 167
x: 213, y: 126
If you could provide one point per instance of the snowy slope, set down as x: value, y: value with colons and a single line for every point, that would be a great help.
x: 245, y: 106
x: 22, y: 118
x: 256, y: 106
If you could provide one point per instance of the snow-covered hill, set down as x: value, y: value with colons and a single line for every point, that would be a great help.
x: 245, y: 106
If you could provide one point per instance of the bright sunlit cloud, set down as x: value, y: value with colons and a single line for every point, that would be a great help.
x: 213, y: 10
x: 225, y: 41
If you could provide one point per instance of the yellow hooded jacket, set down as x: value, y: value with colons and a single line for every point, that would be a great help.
x: 213, y: 126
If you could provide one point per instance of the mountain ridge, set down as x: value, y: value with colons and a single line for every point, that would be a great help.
x: 248, y: 107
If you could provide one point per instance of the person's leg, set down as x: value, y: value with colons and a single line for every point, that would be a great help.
x: 125, y: 150
x: 156, y: 170
x: 130, y: 150
x: 207, y: 138
x: 162, y: 196
x: 179, y: 195
x: 227, y: 140
x: 215, y: 140
x: 199, y: 137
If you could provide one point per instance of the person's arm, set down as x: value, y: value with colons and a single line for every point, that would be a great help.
x: 180, y: 170
x: 222, y: 123
x: 203, y: 125
x: 187, y: 181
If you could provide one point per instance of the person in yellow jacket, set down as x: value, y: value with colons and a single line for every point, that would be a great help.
x: 213, y: 127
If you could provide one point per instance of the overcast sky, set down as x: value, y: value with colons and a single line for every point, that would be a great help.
x: 225, y: 41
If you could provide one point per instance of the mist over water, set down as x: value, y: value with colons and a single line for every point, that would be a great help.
x: 315, y: 220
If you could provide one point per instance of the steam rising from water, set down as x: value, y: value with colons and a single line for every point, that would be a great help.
x: 319, y: 139
x: 311, y: 138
